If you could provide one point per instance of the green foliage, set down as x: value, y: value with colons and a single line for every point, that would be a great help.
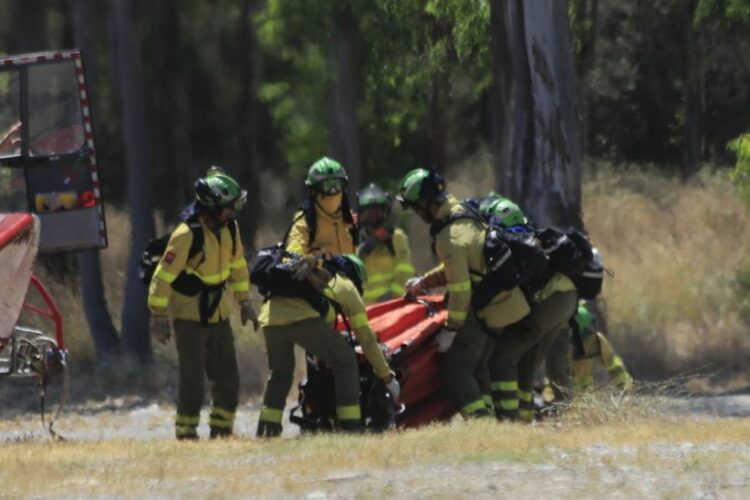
x: 741, y: 174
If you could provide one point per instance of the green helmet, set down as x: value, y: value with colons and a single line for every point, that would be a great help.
x: 486, y: 201
x: 420, y: 186
x: 219, y: 190
x: 359, y: 267
x: 372, y: 195
x: 584, y: 318
x: 350, y: 266
x: 326, y: 176
x: 507, y: 212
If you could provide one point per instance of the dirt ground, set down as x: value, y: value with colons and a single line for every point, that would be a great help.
x: 681, y: 467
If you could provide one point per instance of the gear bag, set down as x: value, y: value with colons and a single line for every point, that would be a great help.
x: 273, y: 277
x: 572, y: 254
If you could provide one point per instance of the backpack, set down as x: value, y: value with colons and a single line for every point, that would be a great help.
x: 502, y: 273
x: 572, y: 254
x: 273, y: 277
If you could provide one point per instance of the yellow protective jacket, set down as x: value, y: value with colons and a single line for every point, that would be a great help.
x: 460, y: 248
x: 215, y: 264
x: 279, y: 311
x: 387, y: 271
x: 333, y: 235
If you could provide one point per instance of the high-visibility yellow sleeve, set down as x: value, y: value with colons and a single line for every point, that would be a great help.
x: 171, y: 264
x: 435, y: 277
x: 239, y: 276
x: 298, y: 240
x: 343, y: 291
x: 456, y: 267
x: 402, y: 266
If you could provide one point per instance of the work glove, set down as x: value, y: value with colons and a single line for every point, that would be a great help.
x: 393, y: 386
x: 415, y: 286
x: 302, y: 267
x: 444, y: 339
x: 247, y: 313
x: 160, y: 328
x: 319, y: 278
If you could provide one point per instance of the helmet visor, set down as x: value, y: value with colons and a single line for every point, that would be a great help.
x: 330, y: 186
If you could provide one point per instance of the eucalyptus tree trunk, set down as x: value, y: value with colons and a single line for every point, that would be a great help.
x: 135, y: 314
x: 693, y: 136
x: 169, y: 108
x: 344, y: 131
x: 103, y: 332
x: 535, y: 127
x: 247, y: 123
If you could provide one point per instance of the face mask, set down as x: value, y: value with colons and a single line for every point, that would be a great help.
x: 372, y: 217
x: 329, y: 204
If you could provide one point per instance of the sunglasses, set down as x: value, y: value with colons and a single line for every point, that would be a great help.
x: 330, y: 186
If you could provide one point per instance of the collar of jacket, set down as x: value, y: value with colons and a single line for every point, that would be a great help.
x: 450, y: 205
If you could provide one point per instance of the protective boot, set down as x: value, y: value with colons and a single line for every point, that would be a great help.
x: 526, y: 410
x: 505, y: 399
x: 351, y: 426
x: 268, y: 429
x: 220, y: 432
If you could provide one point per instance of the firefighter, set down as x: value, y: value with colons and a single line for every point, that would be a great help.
x: 459, y: 245
x: 525, y: 344
x: 199, y: 313
x: 324, y: 226
x: 589, y: 345
x: 384, y: 248
x: 290, y: 321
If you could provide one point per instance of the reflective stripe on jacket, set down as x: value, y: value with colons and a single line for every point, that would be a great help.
x: 214, y: 264
x: 387, y: 272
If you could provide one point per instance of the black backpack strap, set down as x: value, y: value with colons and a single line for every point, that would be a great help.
x: 208, y: 302
x: 232, y: 226
x: 308, y: 212
x: 348, y: 216
x: 467, y: 213
x: 196, y: 246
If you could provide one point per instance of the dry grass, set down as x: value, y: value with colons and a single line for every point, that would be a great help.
x: 675, y: 303
x: 235, y: 467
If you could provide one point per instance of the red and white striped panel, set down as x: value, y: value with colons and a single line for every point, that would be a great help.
x: 75, y: 55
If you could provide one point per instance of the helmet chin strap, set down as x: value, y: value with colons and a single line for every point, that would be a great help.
x: 212, y: 219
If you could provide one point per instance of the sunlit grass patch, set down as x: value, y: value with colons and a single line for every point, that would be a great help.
x: 244, y: 466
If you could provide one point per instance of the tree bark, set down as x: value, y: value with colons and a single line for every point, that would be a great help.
x: 28, y: 31
x: 135, y: 314
x: 437, y: 126
x: 344, y: 130
x: 588, y: 10
x: 247, y: 122
x: 536, y: 143
x: 169, y: 105
x: 693, y: 137
x: 103, y: 332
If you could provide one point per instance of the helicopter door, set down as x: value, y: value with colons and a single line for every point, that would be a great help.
x: 47, y: 153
